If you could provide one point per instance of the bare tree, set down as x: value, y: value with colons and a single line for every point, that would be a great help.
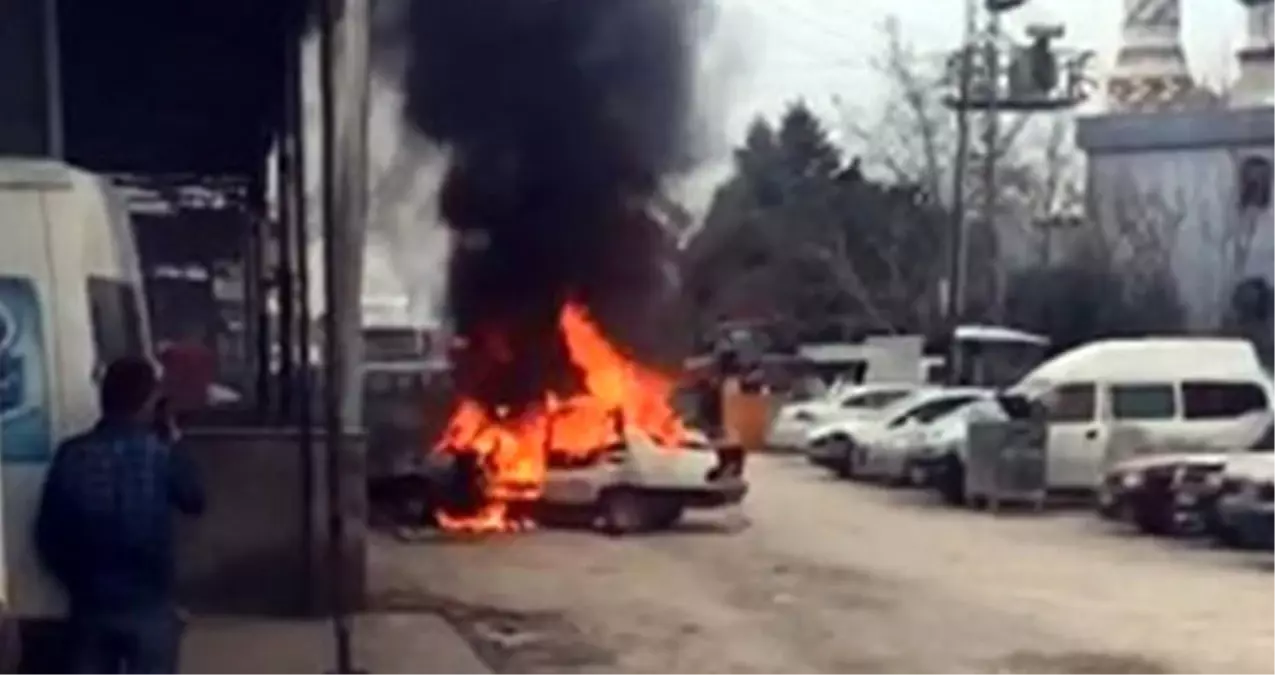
x: 912, y: 138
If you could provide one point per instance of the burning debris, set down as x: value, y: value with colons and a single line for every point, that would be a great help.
x: 561, y: 118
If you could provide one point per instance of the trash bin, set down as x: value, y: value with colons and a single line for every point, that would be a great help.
x: 1007, y: 463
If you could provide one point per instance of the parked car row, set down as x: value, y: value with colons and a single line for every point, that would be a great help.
x: 1160, y: 431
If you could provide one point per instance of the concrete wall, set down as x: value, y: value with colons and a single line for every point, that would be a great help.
x: 248, y: 553
x: 1177, y: 173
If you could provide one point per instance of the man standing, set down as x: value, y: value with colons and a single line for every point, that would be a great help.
x: 105, y: 529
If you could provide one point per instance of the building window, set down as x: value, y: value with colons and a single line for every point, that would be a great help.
x: 1255, y: 183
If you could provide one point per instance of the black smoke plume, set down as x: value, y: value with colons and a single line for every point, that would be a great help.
x: 561, y: 118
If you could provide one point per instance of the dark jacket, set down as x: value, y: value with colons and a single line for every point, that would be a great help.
x: 105, y: 527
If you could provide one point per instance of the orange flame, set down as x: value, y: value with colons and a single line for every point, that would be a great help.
x: 619, y: 395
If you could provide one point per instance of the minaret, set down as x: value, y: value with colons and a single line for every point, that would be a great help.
x: 1150, y: 72
x: 1255, y: 85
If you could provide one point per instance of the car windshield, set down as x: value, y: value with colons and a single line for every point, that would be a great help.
x: 879, y: 399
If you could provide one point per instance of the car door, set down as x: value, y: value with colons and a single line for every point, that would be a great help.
x: 1076, y: 437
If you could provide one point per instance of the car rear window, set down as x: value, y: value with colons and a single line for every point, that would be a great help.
x: 1220, y: 400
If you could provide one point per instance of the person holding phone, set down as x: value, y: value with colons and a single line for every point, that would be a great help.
x: 105, y: 528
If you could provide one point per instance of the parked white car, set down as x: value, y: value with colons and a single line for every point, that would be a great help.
x: 946, y: 439
x: 880, y: 446
x: 795, y: 420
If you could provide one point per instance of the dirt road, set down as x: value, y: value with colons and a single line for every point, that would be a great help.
x: 835, y: 577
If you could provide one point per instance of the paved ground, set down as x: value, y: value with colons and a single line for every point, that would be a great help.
x: 834, y: 577
x: 383, y: 643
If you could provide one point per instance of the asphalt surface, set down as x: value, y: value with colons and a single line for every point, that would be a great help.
x: 817, y: 575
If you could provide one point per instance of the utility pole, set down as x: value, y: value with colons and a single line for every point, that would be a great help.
x: 957, y: 239
x: 991, y: 129
x: 1038, y: 81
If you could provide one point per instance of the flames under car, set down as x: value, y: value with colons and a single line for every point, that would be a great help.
x: 629, y: 486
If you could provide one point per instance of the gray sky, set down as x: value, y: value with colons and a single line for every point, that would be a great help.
x: 818, y: 48
x: 776, y: 51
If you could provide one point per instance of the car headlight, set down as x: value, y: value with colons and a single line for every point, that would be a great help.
x: 1131, y: 480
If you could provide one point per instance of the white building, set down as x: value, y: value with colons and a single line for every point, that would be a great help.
x: 1181, y: 178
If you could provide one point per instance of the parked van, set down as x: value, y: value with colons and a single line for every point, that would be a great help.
x: 71, y: 300
x: 1111, y: 399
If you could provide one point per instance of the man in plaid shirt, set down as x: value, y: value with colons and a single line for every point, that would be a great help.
x: 105, y: 529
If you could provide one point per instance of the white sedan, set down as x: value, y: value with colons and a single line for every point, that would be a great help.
x: 882, y: 446
x: 794, y: 421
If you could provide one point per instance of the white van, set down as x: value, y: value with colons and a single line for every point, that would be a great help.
x: 70, y: 301
x: 1111, y: 399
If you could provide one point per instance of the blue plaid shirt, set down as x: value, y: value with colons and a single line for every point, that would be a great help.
x: 105, y: 526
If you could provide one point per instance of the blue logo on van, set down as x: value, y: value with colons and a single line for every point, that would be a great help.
x: 25, y: 433
x: 12, y: 377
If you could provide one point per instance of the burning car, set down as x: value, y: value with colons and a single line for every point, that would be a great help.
x: 613, y: 446
x: 639, y: 485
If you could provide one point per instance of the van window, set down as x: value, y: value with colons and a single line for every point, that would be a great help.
x: 1072, y: 403
x: 117, y: 320
x: 1217, y: 400
x: 1142, y: 401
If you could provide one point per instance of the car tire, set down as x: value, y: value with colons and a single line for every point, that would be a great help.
x: 951, y: 482
x: 666, y: 516
x: 843, y: 462
x: 1153, y: 515
x: 1228, y: 537
x: 624, y: 512
x: 850, y: 462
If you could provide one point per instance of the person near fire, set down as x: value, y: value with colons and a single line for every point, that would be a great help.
x: 734, y: 413
x: 105, y: 530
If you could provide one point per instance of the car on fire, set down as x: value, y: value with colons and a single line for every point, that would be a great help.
x: 639, y: 485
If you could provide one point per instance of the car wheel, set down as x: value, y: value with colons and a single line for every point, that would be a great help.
x: 914, y: 475
x: 1228, y: 536
x: 1152, y: 515
x: 852, y: 461
x: 845, y: 461
x: 666, y: 515
x: 624, y: 512
x: 951, y: 483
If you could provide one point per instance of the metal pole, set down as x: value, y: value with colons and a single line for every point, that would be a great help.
x: 991, y: 135
x: 958, y: 240
x: 284, y: 274
x: 295, y: 193
x: 54, y: 141
x: 333, y: 355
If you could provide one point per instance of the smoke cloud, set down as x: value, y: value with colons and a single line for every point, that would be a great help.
x: 561, y: 119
